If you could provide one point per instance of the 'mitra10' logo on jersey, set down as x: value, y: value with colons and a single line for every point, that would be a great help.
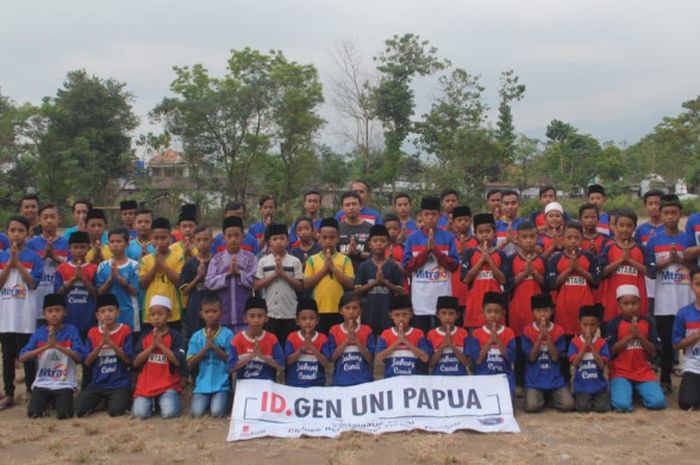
x: 435, y: 274
x: 17, y: 291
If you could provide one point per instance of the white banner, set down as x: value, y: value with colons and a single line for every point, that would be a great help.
x: 430, y: 403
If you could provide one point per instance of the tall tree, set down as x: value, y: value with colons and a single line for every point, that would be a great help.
x: 87, y: 140
x: 403, y: 58
x: 296, y: 97
x: 510, y: 91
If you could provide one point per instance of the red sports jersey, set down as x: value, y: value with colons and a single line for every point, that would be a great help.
x: 624, y: 274
x: 296, y: 339
x: 519, y: 309
x: 633, y: 362
x: 594, y: 244
x: 157, y: 375
x: 68, y: 269
x: 532, y: 333
x: 572, y: 295
x: 244, y: 344
x: 363, y: 332
x: 458, y: 335
x: 395, y: 252
x: 413, y: 335
x: 545, y: 240
x: 483, y: 282
x: 460, y: 290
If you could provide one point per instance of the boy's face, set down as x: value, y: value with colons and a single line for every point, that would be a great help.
x: 589, y: 219
x: 161, y: 240
x: 402, y: 207
x: 95, y: 227
x: 159, y: 316
x: 510, y: 205
x: 652, y: 206
x: 202, y: 240
x: 554, y: 219
x: 447, y: 316
x: 624, y: 228
x: 449, y: 202
x: 351, y: 311
x: 304, y: 230
x: 401, y: 317
x: 211, y: 314
x: 588, y: 325
x: 232, y: 238
x: 351, y: 207
x: 572, y: 238
x: 548, y: 197
x: 361, y: 190
x: 312, y: 203
x: 328, y: 239
x: 429, y: 218
x: 494, y: 201
x: 527, y: 239
x: 493, y: 313
x: 670, y: 216
x: 54, y: 314
x: 378, y: 244
x: 29, y: 209
x: 695, y: 286
x: 629, y: 306
x: 484, y: 233
x: 256, y: 318
x: 307, y: 321
x: 117, y: 244
x: 49, y: 220
x: 17, y: 233
x: 142, y: 224
x: 78, y: 251
x: 268, y: 209
x: 394, y: 228
x: 462, y: 224
x: 597, y: 199
x: 79, y: 213
x: 187, y: 228
x: 278, y: 243
x: 128, y: 217
x: 542, y: 315
x: 108, y: 314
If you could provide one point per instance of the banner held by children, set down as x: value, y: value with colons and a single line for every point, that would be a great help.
x: 430, y: 403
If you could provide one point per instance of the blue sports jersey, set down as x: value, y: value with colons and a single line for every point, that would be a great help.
x: 402, y: 361
x: 108, y: 370
x: 367, y: 214
x: 293, y: 231
x: 248, y: 243
x: 257, y: 368
x: 212, y: 375
x: 307, y: 370
x: 351, y: 367
x: 55, y: 369
x: 495, y: 362
x: 589, y: 377
x: 544, y: 373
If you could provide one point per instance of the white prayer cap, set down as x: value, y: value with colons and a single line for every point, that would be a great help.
x: 162, y: 301
x: 554, y: 206
x: 627, y: 289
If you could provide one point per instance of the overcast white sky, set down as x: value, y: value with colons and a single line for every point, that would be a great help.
x: 613, y: 69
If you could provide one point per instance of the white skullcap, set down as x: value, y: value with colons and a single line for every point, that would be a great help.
x: 627, y: 289
x: 554, y: 206
x: 162, y: 301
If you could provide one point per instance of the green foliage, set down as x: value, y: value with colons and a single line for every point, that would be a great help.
x: 86, y: 139
x: 510, y: 91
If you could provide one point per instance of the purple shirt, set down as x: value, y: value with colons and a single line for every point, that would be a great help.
x: 234, y: 290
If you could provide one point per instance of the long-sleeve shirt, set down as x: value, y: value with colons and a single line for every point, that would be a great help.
x: 233, y: 290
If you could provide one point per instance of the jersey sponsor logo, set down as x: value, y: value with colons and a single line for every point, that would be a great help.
x: 677, y: 277
x: 434, y: 274
x: 159, y: 359
x: 485, y: 274
x: 626, y: 270
x: 576, y: 281
x: 18, y: 291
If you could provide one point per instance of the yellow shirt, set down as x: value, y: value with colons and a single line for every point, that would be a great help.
x: 161, y: 285
x: 328, y: 291
x: 106, y: 254
x: 179, y: 247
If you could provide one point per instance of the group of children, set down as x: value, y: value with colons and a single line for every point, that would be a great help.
x: 555, y: 304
